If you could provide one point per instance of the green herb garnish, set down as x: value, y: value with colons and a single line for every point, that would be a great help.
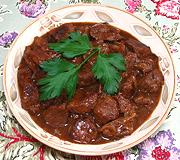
x: 106, y: 70
x: 63, y: 75
x: 75, y: 45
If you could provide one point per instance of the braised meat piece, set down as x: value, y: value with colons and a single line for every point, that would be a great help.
x: 131, y: 59
x: 24, y: 73
x: 77, y: 60
x: 56, y: 116
x: 91, y: 116
x: 34, y: 57
x: 117, y: 128
x: 143, y: 100
x: 54, y: 102
x: 105, y: 32
x: 84, y: 131
x: 145, y: 65
x: 28, y: 59
x: 30, y: 94
x: 38, y: 74
x: 28, y: 90
x: 107, y: 48
x: 105, y: 109
x: 83, y: 29
x: 136, y: 46
x: 85, y: 76
x: 83, y: 101
x: 62, y: 32
x: 152, y: 82
x: 41, y: 42
x: 118, y: 47
x: 124, y: 105
x: 128, y: 87
x: 37, y: 56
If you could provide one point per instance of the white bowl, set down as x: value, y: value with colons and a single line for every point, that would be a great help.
x: 90, y: 13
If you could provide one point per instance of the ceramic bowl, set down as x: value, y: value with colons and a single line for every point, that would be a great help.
x: 90, y: 13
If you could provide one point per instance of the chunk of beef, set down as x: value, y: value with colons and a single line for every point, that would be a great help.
x: 117, y: 128
x: 29, y: 94
x: 84, y: 131
x: 105, y: 109
x: 56, y: 116
x: 28, y: 59
x: 38, y: 74
x: 131, y: 115
x: 128, y: 87
x: 77, y: 60
x: 143, y: 100
x: 105, y: 32
x: 24, y: 72
x: 124, y: 75
x: 54, y: 102
x: 62, y: 32
x: 145, y: 65
x: 82, y: 29
x: 152, y: 82
x: 124, y: 105
x: 83, y: 100
x: 40, y: 42
x: 107, y: 48
x: 34, y: 57
x: 136, y: 46
x: 37, y: 56
x: 85, y: 76
x: 131, y: 59
x: 28, y: 90
x: 118, y: 47
x: 96, y: 43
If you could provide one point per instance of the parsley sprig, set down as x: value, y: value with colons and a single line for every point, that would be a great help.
x: 106, y: 70
x: 63, y: 75
x: 75, y: 45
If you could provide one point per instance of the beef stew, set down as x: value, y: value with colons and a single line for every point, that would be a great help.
x: 92, y: 116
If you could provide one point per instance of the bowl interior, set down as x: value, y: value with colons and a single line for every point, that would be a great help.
x: 90, y: 13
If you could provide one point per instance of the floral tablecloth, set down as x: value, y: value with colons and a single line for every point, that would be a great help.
x: 163, y: 15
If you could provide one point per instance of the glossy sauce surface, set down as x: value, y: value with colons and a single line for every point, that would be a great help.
x: 92, y: 116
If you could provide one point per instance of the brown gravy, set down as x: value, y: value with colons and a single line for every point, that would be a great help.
x: 93, y: 117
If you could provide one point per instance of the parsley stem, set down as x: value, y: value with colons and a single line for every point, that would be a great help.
x: 93, y: 52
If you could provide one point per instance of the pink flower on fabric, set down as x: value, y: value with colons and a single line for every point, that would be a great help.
x: 132, y: 5
x: 160, y: 147
x: 168, y: 8
x: 32, y: 10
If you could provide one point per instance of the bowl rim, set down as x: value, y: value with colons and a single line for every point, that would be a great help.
x: 80, y: 152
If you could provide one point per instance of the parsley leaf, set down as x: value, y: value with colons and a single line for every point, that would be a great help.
x: 61, y: 75
x: 106, y: 70
x: 56, y: 65
x: 71, y: 86
x: 75, y: 45
x: 53, y: 84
